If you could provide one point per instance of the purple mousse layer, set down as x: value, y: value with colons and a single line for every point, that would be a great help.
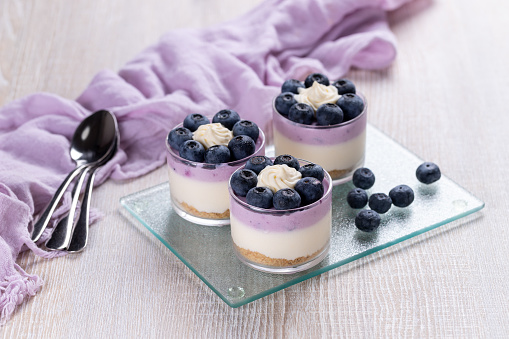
x: 320, y: 135
x: 272, y: 220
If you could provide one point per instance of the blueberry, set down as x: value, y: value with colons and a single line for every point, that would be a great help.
x: 312, y: 170
x: 301, y: 113
x: 286, y: 199
x: 217, y: 154
x: 260, y: 197
x: 357, y: 198
x: 344, y: 86
x: 310, y: 190
x: 329, y: 114
x: 226, y: 117
x: 192, y: 150
x: 380, y: 202
x: 257, y: 163
x: 351, y: 104
x: 363, y: 178
x: 401, y: 195
x: 283, y: 103
x: 178, y: 135
x: 195, y: 120
x: 367, y: 220
x: 242, y: 181
x: 318, y: 77
x: 241, y: 146
x: 291, y: 85
x: 287, y: 159
x: 246, y: 127
x: 428, y: 172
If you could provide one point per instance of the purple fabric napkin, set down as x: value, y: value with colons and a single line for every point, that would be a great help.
x: 239, y: 64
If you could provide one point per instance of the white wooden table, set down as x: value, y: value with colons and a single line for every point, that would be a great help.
x: 444, y: 99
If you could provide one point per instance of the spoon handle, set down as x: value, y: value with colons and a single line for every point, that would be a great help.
x: 61, y: 235
x: 45, y: 217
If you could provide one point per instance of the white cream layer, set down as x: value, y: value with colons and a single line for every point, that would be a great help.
x: 331, y: 157
x: 211, y: 197
x: 288, y: 245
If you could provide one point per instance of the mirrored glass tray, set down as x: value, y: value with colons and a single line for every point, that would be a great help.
x: 208, y: 251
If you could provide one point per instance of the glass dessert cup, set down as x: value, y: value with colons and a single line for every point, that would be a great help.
x: 339, y: 149
x: 282, y: 241
x: 199, y: 191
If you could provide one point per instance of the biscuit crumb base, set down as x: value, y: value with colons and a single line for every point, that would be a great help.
x: 336, y: 174
x: 206, y: 215
x: 259, y: 258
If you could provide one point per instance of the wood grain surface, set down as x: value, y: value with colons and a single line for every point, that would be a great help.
x: 444, y: 99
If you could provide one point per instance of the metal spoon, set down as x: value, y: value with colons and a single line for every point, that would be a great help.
x: 92, y: 141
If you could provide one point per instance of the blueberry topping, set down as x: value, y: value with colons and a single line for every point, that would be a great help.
x: 242, y: 181
x: 301, y: 113
x: 357, y: 198
x: 195, y: 120
x: 286, y: 199
x: 291, y: 85
x: 344, y: 86
x: 226, y: 117
x: 312, y: 170
x: 428, y: 173
x: 351, y: 104
x: 367, y: 220
x: 246, y: 127
x: 363, y: 178
x: 283, y: 103
x: 217, y: 154
x: 401, y: 195
x: 260, y: 197
x: 318, y: 77
x: 380, y: 202
x: 310, y: 190
x: 192, y: 150
x: 329, y: 114
x: 287, y: 159
x: 257, y: 163
x: 178, y: 135
x: 241, y: 146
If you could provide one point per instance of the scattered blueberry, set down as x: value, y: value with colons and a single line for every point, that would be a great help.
x: 192, y: 150
x: 242, y: 181
x: 329, y: 114
x: 344, y: 86
x: 246, y: 127
x: 363, y: 178
x: 428, y: 172
x: 401, y: 195
x: 195, y: 120
x: 291, y: 85
x: 380, y: 202
x: 241, y: 146
x: 287, y: 159
x: 357, y: 198
x: 257, y: 163
x: 310, y: 190
x: 318, y: 77
x: 283, y: 102
x: 226, y: 117
x: 260, y: 197
x: 301, y: 113
x: 367, y: 220
x: 286, y: 199
x: 351, y: 104
x: 312, y: 170
x: 178, y: 135
x: 217, y: 154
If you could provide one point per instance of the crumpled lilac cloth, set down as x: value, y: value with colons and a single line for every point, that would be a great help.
x: 239, y: 64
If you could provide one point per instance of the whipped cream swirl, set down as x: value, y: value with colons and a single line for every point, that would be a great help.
x: 212, y: 134
x: 277, y: 177
x: 317, y: 95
